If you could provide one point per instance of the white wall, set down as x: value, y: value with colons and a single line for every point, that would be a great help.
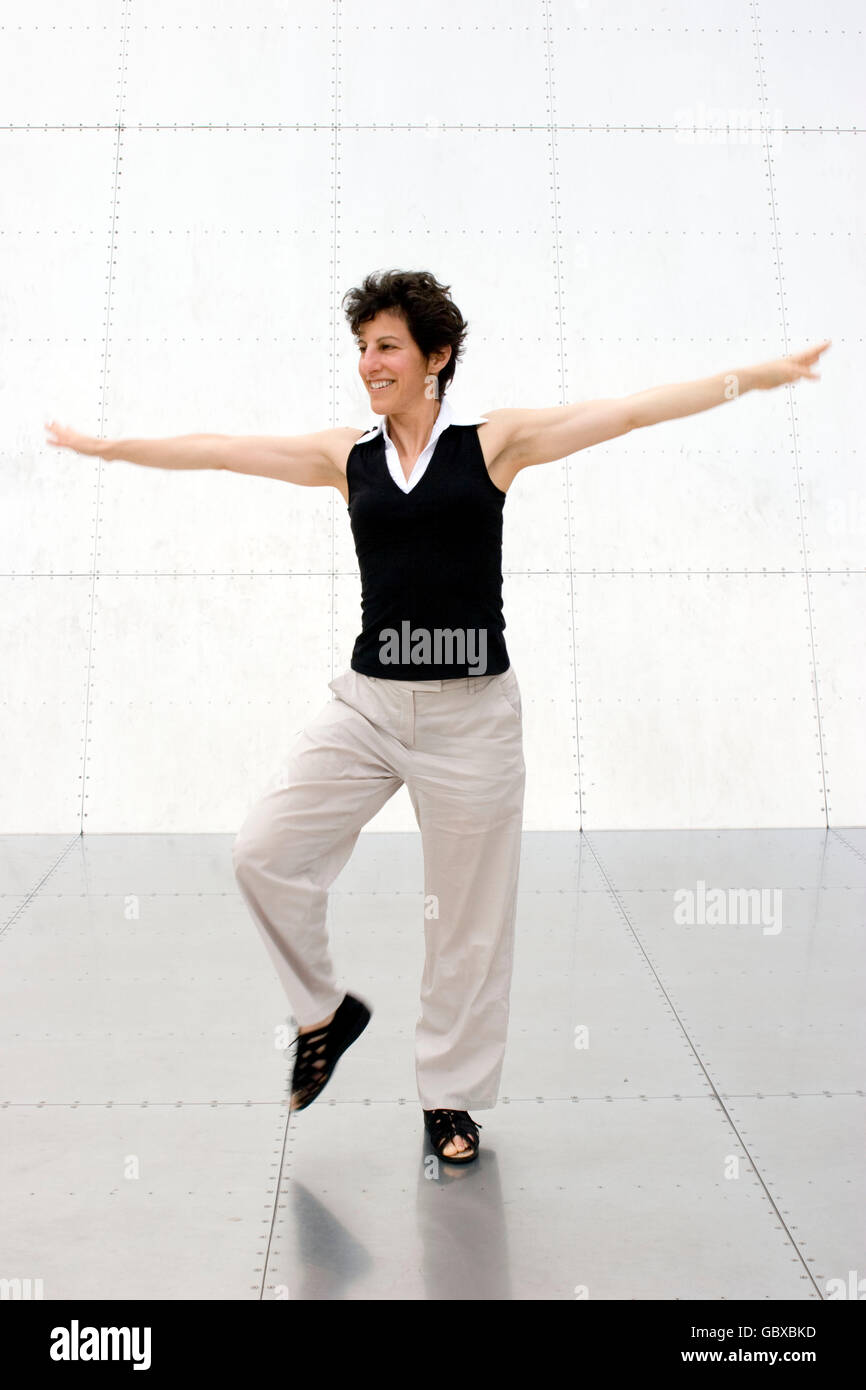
x: 187, y: 191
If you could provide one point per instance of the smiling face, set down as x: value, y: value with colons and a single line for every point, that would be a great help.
x: 392, y: 366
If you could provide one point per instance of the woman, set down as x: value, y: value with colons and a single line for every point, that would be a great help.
x: 430, y: 699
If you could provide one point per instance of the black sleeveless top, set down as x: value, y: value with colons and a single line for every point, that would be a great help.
x: 430, y: 562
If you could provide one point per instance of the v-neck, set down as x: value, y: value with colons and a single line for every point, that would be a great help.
x: 407, y: 492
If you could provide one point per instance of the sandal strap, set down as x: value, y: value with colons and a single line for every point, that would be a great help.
x: 307, y: 1055
x: 318, y: 1052
x: 444, y: 1125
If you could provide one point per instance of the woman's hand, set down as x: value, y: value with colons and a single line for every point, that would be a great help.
x: 63, y: 438
x: 783, y: 370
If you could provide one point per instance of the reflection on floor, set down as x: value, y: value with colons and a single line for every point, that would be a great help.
x: 682, y: 1105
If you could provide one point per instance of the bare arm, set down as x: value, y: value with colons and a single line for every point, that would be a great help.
x: 541, y: 436
x: 311, y: 460
x: 689, y: 397
x: 527, y: 437
x: 182, y: 451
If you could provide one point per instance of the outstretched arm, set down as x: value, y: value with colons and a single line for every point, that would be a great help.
x: 672, y: 402
x: 311, y: 460
x: 542, y: 436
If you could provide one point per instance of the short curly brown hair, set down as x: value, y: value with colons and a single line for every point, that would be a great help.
x: 432, y: 316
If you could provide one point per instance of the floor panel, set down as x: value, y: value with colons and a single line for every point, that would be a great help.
x: 681, y: 1113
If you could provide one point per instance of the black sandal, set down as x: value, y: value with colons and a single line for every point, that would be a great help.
x: 325, y: 1045
x: 443, y: 1125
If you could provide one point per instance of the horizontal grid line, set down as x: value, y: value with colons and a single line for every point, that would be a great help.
x: 462, y: 128
x: 597, y: 573
x: 707, y: 1098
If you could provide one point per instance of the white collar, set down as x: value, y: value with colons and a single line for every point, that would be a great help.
x: 446, y: 417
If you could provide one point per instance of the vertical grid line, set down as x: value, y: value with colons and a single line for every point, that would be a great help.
x: 563, y: 374
x: 780, y: 282
x: 103, y: 388
x: 335, y: 314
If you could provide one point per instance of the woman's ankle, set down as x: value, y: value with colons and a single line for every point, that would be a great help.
x: 311, y: 1027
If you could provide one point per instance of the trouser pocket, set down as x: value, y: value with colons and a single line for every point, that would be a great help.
x: 509, y: 689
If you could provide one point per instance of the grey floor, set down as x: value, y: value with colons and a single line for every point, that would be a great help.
x: 682, y: 1108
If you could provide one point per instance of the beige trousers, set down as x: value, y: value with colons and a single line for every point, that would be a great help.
x: 457, y: 745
